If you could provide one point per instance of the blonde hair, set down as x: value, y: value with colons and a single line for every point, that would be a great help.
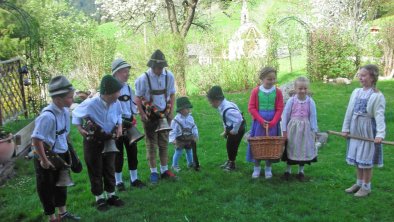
x: 373, y: 72
x: 301, y: 79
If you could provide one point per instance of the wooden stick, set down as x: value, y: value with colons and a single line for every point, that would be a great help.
x: 358, y: 137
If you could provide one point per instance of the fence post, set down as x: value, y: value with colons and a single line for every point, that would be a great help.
x: 22, y: 88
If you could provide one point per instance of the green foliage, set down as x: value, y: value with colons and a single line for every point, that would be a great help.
x: 330, y: 54
x: 93, y: 56
x: 230, y: 75
x: 273, y: 39
x: 61, y: 26
x: 11, y: 44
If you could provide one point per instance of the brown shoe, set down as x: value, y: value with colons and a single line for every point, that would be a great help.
x: 362, y: 192
x: 353, y: 189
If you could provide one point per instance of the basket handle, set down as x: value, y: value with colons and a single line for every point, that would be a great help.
x: 266, y: 130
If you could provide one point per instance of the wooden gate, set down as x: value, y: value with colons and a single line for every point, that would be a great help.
x: 12, y: 90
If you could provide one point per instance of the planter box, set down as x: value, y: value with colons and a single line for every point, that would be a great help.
x: 25, y: 135
x: 7, y: 148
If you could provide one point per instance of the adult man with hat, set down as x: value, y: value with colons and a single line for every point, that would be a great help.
x: 105, y: 114
x: 155, y: 95
x: 52, y: 128
x: 121, y: 71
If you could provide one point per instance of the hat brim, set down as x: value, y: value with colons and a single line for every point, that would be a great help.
x: 188, y: 106
x: 154, y: 64
x: 121, y: 67
x: 63, y: 91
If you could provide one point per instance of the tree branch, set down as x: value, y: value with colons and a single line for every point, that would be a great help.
x: 172, y: 16
x: 191, y: 9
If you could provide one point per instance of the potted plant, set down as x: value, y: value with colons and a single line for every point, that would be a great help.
x: 7, y: 146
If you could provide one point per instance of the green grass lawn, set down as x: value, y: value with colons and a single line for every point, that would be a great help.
x: 214, y: 195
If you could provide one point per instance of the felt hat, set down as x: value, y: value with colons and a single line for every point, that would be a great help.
x: 59, y: 85
x: 118, y: 64
x: 183, y: 103
x: 215, y: 93
x: 109, y: 85
x: 157, y: 60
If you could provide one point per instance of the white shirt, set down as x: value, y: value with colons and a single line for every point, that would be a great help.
x: 261, y: 88
x: 187, y: 122
x: 128, y: 107
x: 103, y: 114
x: 233, y: 116
x: 157, y: 83
x: 45, y: 127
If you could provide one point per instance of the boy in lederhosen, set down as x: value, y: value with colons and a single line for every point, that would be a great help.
x: 155, y: 95
x: 105, y: 113
x: 121, y: 71
x: 184, y: 135
x: 52, y: 128
x: 233, y: 123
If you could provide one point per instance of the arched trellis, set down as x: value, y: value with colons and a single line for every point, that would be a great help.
x: 31, y: 82
x: 303, y: 24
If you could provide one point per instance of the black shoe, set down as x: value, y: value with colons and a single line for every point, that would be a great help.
x: 102, y: 205
x: 68, y: 217
x: 301, y: 177
x: 224, y: 165
x: 115, y: 201
x: 196, y: 167
x: 137, y: 184
x: 120, y: 187
x: 286, y: 176
x: 230, y: 166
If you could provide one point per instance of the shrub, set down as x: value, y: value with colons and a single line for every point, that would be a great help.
x: 330, y: 54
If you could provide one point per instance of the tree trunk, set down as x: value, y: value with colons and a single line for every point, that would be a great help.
x: 388, y: 55
x: 290, y: 59
x: 180, y: 68
x: 172, y: 16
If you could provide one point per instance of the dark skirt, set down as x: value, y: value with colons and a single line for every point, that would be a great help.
x: 296, y: 162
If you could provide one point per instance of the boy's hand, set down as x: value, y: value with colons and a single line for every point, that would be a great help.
x: 143, y: 116
x: 285, y: 134
x: 266, y: 124
x: 224, y: 134
x: 46, y: 164
x: 82, y: 131
x: 232, y: 133
x: 119, y: 131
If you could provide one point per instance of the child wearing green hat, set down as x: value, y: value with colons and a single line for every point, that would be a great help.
x: 233, y: 123
x: 99, y: 153
x: 184, y: 134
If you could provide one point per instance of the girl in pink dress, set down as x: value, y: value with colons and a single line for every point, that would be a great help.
x: 299, y: 126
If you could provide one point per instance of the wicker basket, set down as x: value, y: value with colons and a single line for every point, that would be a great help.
x: 267, y: 147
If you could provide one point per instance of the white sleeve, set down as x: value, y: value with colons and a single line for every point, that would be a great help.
x: 378, y: 113
x: 349, y: 112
